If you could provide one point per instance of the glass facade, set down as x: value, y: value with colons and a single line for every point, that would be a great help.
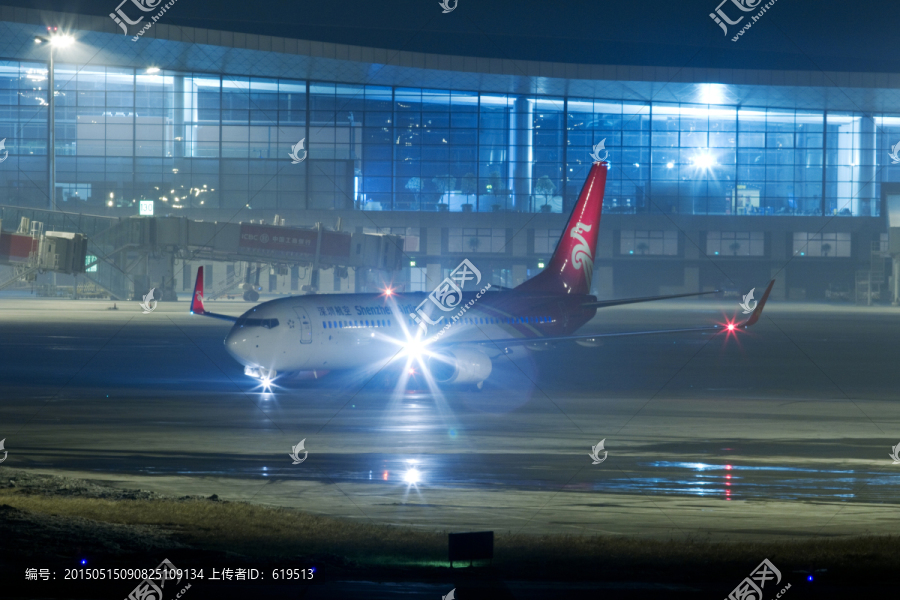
x: 192, y: 140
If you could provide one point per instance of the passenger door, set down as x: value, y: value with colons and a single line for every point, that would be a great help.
x: 305, y: 325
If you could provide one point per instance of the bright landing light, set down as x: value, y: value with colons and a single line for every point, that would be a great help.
x: 414, y: 348
x: 412, y: 476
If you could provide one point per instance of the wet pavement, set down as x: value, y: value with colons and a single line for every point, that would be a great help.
x: 783, y: 430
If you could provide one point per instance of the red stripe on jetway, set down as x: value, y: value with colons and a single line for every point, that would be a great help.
x: 285, y: 240
x: 16, y: 248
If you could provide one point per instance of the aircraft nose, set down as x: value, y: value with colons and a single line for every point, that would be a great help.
x: 239, y: 345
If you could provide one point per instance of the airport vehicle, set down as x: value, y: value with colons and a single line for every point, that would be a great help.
x: 325, y: 332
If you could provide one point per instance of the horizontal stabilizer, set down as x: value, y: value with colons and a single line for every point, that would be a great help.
x: 607, y: 303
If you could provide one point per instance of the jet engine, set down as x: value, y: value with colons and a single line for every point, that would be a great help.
x: 460, y: 366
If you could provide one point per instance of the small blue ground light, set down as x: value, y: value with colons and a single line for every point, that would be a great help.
x: 809, y: 578
x: 84, y: 561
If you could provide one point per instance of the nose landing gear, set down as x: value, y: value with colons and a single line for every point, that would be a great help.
x: 263, y: 374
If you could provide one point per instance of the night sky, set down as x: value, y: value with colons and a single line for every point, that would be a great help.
x: 793, y: 34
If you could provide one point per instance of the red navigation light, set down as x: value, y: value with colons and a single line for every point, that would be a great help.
x: 730, y: 326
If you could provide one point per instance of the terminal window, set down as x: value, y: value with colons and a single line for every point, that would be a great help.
x: 821, y: 244
x: 545, y: 240
x: 476, y: 240
x: 735, y: 243
x: 648, y: 243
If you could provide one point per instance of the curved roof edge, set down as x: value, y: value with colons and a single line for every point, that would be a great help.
x: 839, y: 90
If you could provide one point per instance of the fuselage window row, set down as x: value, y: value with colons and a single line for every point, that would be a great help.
x: 355, y: 324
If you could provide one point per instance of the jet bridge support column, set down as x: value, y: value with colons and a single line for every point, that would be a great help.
x: 892, y: 208
x: 895, y: 269
x: 314, y: 274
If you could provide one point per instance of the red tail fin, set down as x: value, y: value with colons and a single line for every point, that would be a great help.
x: 572, y: 266
x: 197, y: 300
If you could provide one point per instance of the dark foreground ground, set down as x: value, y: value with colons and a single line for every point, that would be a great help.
x: 722, y: 452
x: 79, y: 536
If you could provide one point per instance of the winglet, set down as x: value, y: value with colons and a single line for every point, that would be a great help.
x: 197, y: 300
x: 759, y: 307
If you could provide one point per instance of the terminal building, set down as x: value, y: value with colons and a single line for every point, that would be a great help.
x: 718, y: 178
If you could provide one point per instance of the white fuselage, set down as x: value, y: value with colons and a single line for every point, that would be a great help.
x: 347, y: 331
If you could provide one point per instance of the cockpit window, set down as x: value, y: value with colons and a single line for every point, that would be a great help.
x: 251, y: 322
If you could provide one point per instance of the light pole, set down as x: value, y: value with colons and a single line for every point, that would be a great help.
x: 55, y: 41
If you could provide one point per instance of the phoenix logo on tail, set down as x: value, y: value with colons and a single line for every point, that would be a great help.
x: 296, y: 450
x: 5, y: 453
x: 595, y: 452
x: 6, y: 152
x: 581, y: 254
x: 452, y: 594
x: 597, y: 148
x: 445, y: 4
x: 297, y: 148
x: 145, y: 304
x: 896, y: 450
x: 894, y: 154
x: 746, y: 303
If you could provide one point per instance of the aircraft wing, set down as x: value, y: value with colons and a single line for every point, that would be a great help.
x: 573, y: 338
x: 754, y: 317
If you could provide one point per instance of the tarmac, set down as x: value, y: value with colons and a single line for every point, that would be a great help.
x: 781, y: 431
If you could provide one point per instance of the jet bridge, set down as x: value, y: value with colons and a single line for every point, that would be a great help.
x: 30, y: 251
x: 127, y: 256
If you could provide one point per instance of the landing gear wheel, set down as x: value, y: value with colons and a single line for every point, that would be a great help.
x: 251, y: 296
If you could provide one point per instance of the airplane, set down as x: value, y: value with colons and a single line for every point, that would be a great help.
x: 323, y: 332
